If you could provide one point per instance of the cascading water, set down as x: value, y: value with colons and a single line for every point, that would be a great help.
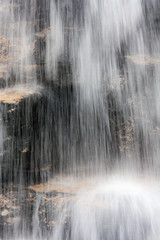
x: 79, y: 125
x: 116, y: 208
x: 17, y: 40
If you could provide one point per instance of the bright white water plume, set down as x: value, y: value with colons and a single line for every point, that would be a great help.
x: 117, y: 208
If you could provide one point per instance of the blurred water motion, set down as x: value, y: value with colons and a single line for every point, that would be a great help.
x: 79, y: 97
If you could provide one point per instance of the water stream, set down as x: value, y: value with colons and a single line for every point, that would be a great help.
x: 79, y: 119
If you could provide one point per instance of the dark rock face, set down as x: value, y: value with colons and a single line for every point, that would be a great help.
x: 21, y: 206
x: 31, y: 140
x: 22, y: 153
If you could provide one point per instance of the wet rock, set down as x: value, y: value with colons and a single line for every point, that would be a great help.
x: 126, y: 135
x: 24, y: 126
x: 15, y: 95
x: 143, y: 59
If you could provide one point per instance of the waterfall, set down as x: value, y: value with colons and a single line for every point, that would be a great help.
x: 79, y: 119
x: 17, y: 40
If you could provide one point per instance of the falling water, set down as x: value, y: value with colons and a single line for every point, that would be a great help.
x: 17, y: 40
x: 79, y: 119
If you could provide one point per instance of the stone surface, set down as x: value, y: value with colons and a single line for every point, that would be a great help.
x: 16, y: 94
x: 143, y: 59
